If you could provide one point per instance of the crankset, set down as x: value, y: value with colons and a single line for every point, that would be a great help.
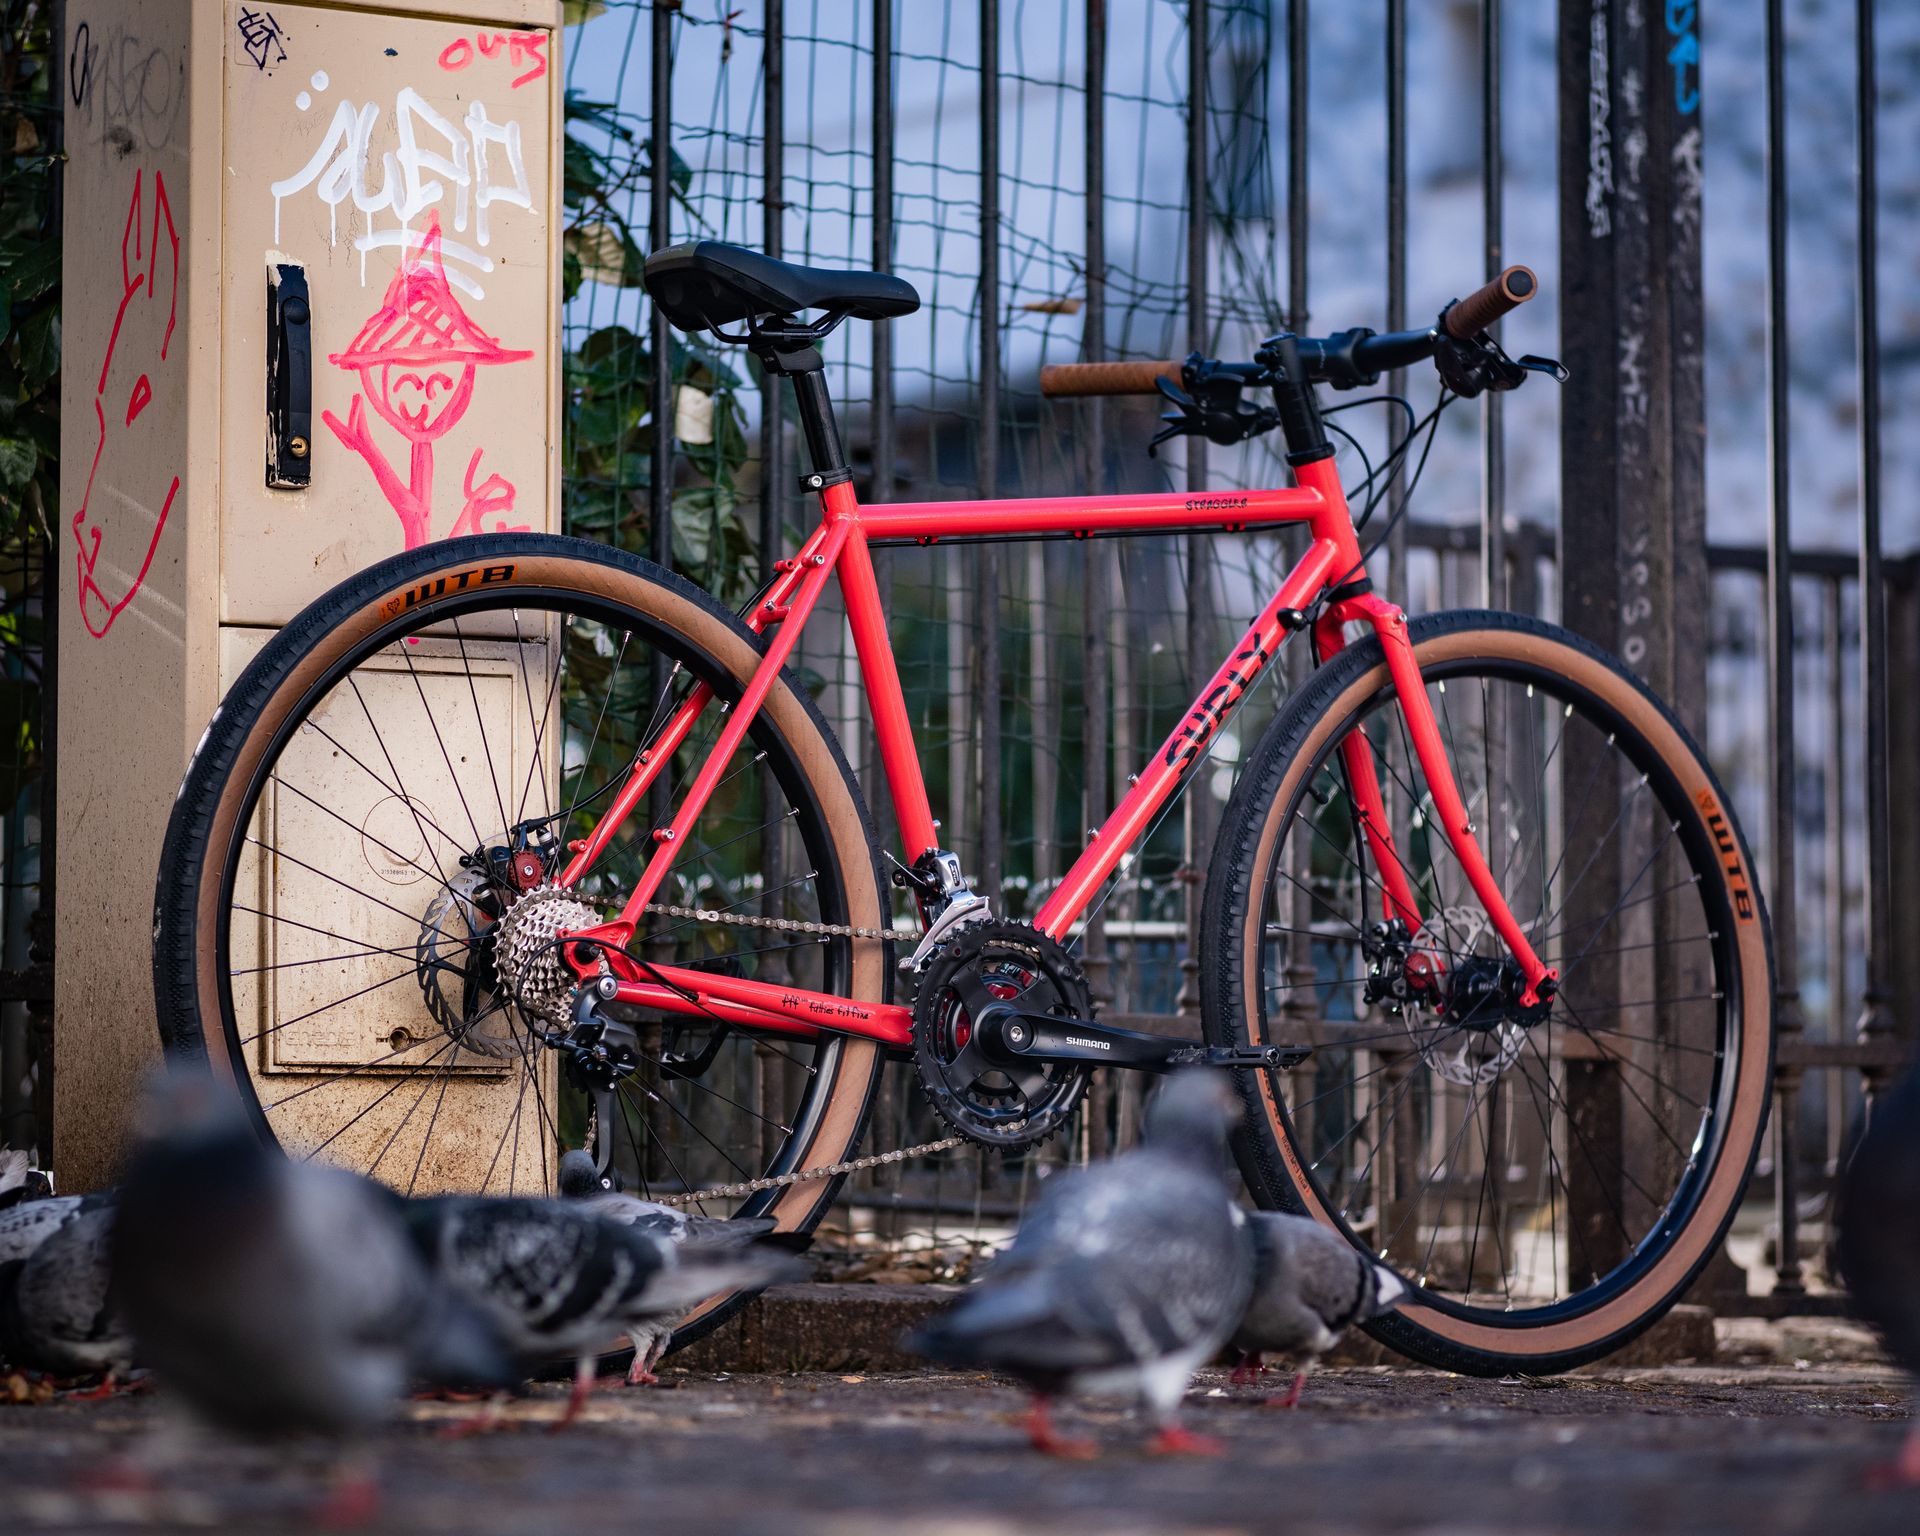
x: 1004, y: 1044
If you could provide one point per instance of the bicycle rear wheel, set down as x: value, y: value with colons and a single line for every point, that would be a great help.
x: 332, y: 925
x: 1546, y: 1185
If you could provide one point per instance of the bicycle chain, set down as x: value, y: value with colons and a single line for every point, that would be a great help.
x: 805, y: 1175
x: 782, y: 924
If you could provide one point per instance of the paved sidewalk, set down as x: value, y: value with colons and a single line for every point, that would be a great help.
x: 1756, y: 1448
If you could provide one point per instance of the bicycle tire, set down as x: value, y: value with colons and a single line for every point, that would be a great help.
x: 1284, y: 1164
x: 431, y: 586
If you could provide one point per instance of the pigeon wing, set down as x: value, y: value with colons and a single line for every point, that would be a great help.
x: 66, y: 1321
x: 25, y: 1227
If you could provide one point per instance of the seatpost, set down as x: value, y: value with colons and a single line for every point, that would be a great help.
x: 801, y: 361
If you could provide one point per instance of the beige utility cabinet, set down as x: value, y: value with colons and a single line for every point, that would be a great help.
x: 310, y: 320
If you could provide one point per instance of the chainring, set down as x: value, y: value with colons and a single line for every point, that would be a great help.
x: 996, y: 961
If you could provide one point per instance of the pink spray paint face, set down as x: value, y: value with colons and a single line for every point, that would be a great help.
x: 420, y: 400
x: 418, y: 358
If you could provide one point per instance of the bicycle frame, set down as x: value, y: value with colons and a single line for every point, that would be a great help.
x: 839, y: 546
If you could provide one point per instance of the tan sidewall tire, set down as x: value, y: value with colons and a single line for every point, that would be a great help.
x: 1231, y: 975
x: 277, y: 684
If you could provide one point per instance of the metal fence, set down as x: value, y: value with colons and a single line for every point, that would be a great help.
x: 1073, y: 179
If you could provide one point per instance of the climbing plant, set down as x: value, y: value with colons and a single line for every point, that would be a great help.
x: 609, y: 376
x: 29, y: 375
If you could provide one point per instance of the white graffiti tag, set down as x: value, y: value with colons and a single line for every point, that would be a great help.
x: 480, y: 159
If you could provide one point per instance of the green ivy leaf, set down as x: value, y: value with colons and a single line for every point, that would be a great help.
x: 18, y: 460
x: 35, y: 270
x: 40, y: 347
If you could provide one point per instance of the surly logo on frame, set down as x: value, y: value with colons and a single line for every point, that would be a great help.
x: 1211, y: 712
x: 1729, y: 851
x: 445, y: 586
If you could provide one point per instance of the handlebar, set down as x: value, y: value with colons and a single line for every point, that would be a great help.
x: 1062, y: 379
x: 1467, y: 318
x: 1350, y: 358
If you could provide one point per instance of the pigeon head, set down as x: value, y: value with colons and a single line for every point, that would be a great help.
x: 196, y: 1145
x: 580, y: 1176
x: 1385, y: 1291
x: 1190, y: 1116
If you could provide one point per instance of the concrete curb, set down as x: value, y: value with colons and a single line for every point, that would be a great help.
x: 846, y: 1328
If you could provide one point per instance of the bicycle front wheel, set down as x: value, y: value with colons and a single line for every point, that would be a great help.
x: 344, y: 931
x: 1547, y: 1182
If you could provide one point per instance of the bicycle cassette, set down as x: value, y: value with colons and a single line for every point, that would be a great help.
x: 985, y: 967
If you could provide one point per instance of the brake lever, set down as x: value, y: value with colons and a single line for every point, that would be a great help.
x: 1552, y: 367
x: 1219, y: 414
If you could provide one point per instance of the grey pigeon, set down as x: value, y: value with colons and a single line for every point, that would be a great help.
x: 16, y: 1177
x: 580, y: 1180
x: 1879, y: 1242
x: 1309, y: 1286
x: 562, y: 1282
x: 55, y: 1311
x: 1123, y: 1279
x: 26, y: 1226
x: 276, y: 1297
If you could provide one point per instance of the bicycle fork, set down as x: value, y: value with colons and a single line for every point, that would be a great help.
x: 1356, y: 752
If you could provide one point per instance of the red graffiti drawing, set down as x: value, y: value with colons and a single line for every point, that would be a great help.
x: 523, y: 48
x: 417, y: 358
x: 98, y: 606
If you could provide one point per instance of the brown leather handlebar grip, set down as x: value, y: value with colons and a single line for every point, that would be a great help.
x: 1058, y: 379
x: 1468, y: 317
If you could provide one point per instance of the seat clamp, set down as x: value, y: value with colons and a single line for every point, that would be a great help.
x: 820, y: 479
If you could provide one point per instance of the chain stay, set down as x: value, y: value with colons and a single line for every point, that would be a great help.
x: 805, y: 1175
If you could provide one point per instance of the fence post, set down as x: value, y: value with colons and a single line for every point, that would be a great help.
x: 1632, y: 533
x: 1876, y: 1015
x: 659, y: 235
x: 1780, y: 728
x: 1195, y: 820
x: 880, y: 487
x: 1097, y: 598
x: 1493, y: 461
x: 986, y: 590
x: 1396, y: 283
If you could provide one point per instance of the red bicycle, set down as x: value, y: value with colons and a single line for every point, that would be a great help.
x: 539, y: 819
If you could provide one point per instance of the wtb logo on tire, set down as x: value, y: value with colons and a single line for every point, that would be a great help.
x: 442, y: 586
x: 1729, y: 851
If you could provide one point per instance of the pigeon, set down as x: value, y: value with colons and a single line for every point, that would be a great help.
x: 1123, y: 1279
x: 1309, y: 1286
x: 56, y: 1314
x: 561, y: 1281
x: 24, y: 1227
x: 580, y: 1179
x: 278, y: 1298
x: 1879, y: 1242
x: 19, y: 1179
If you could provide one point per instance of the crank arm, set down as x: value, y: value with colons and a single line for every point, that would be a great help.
x: 1012, y: 1036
